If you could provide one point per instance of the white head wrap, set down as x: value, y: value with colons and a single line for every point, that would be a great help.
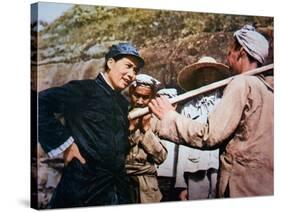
x: 170, y: 92
x: 253, y: 42
x: 144, y: 79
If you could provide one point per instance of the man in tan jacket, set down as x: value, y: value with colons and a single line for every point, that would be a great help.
x: 241, y: 124
x: 146, y: 149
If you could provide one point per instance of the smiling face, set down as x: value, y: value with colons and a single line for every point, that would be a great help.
x: 141, y: 96
x: 121, y: 72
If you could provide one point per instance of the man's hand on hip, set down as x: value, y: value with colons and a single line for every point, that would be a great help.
x: 72, y: 152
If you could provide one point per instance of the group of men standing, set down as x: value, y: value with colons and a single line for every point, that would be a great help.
x: 111, y: 160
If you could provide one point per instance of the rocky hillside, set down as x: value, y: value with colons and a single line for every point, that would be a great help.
x: 73, y: 46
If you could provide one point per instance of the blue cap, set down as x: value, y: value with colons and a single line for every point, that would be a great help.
x: 124, y: 49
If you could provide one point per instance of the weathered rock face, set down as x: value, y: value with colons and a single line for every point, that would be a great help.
x: 162, y: 60
x: 46, y: 174
x: 57, y: 74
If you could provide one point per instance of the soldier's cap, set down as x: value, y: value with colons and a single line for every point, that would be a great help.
x: 124, y: 49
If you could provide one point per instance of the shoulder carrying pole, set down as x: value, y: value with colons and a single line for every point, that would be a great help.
x: 203, y: 89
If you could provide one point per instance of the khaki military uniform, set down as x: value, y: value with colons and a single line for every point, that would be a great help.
x: 146, y: 150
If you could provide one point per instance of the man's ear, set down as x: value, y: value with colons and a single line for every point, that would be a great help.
x: 131, y: 90
x: 242, y: 53
x: 110, y: 63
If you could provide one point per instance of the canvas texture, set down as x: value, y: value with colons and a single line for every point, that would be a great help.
x: 83, y: 68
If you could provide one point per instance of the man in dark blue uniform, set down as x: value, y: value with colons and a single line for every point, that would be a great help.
x: 94, y: 138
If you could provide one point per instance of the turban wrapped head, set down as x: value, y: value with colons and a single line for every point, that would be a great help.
x: 254, y: 43
x: 169, y: 92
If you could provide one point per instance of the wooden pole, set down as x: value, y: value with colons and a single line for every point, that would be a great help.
x: 201, y: 90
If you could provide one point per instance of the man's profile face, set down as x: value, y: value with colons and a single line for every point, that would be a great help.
x: 141, y: 96
x: 233, y: 59
x: 122, y: 72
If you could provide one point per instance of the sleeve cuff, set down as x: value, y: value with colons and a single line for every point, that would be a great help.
x: 166, y: 128
x: 55, y: 152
